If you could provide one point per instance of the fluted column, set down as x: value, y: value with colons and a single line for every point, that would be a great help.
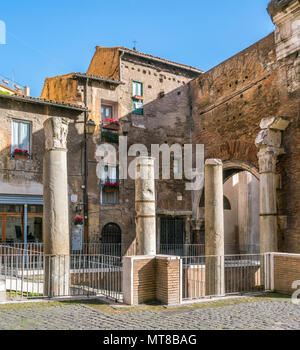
x: 56, y: 208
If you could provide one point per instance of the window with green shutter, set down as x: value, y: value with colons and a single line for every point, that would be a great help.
x: 137, y: 98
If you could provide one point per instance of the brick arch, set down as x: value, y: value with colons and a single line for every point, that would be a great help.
x: 238, y: 165
x: 234, y: 150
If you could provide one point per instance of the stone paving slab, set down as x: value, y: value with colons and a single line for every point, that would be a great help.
x: 275, y: 315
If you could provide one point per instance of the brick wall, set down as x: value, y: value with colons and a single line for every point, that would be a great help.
x: 143, y: 280
x: 168, y: 280
x: 149, y: 278
x: 286, y: 271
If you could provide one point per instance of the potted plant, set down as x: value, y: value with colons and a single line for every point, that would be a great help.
x: 20, y: 154
x: 111, y: 124
x: 78, y: 221
x: 111, y: 186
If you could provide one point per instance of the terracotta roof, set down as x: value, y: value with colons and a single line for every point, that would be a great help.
x: 24, y: 98
x: 96, y: 77
x: 138, y: 53
x: 8, y: 88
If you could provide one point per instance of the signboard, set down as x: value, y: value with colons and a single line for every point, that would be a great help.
x: 77, y: 233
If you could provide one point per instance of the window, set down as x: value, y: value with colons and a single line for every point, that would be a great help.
x: 137, y: 98
x: 177, y: 168
x: 20, y: 135
x: 20, y: 223
x: 109, y: 185
x: 137, y: 88
x: 106, y: 112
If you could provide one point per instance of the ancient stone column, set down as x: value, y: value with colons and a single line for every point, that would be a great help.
x: 145, y: 206
x: 269, y: 143
x: 214, y: 228
x: 56, y: 208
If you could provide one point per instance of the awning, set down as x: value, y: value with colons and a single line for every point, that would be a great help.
x: 20, y: 199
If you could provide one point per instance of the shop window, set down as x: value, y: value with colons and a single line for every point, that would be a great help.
x: 12, y: 223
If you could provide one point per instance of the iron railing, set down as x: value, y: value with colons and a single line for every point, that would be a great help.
x: 20, y: 248
x: 33, y: 275
x: 204, y: 276
x: 181, y: 249
x: 123, y: 249
x: 111, y: 249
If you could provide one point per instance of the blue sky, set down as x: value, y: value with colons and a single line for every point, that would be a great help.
x: 47, y: 38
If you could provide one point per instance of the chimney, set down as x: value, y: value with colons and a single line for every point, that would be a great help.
x: 26, y: 91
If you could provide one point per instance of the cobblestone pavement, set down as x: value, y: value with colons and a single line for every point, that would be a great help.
x: 257, y: 315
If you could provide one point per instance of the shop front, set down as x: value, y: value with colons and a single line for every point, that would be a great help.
x: 21, y: 219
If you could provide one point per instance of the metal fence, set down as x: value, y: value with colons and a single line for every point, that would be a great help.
x: 111, y: 249
x: 30, y: 275
x: 20, y: 248
x: 203, y: 276
x: 181, y: 249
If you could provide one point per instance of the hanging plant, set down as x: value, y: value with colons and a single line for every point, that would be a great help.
x: 78, y: 221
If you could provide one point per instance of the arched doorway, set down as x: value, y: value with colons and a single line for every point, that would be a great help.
x: 111, y: 239
x: 241, y: 223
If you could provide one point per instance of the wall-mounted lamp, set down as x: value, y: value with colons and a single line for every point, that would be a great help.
x: 79, y: 207
x: 90, y: 127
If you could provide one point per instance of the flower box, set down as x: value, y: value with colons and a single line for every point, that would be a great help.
x: 20, y: 154
x: 111, y: 186
x: 110, y: 124
x: 110, y: 189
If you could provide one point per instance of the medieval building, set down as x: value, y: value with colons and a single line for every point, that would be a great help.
x: 21, y: 158
x: 245, y: 111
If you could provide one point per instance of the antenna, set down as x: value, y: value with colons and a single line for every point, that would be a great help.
x: 134, y: 45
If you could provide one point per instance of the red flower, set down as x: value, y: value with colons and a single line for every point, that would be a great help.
x: 78, y: 219
x: 111, y: 184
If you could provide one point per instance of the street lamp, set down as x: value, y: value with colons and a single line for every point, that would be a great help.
x: 90, y: 127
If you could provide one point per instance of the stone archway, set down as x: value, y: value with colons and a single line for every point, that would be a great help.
x: 241, y: 219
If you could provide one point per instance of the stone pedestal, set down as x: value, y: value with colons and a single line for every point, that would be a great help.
x: 145, y: 206
x: 269, y: 141
x: 56, y: 236
x: 2, y: 289
x: 214, y: 228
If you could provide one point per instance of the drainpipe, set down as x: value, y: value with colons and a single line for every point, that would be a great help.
x: 85, y: 193
x: 120, y: 65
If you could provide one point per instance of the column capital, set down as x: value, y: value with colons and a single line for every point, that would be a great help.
x: 214, y: 162
x: 268, y: 138
x: 275, y: 123
x: 56, y: 131
x: 267, y: 159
